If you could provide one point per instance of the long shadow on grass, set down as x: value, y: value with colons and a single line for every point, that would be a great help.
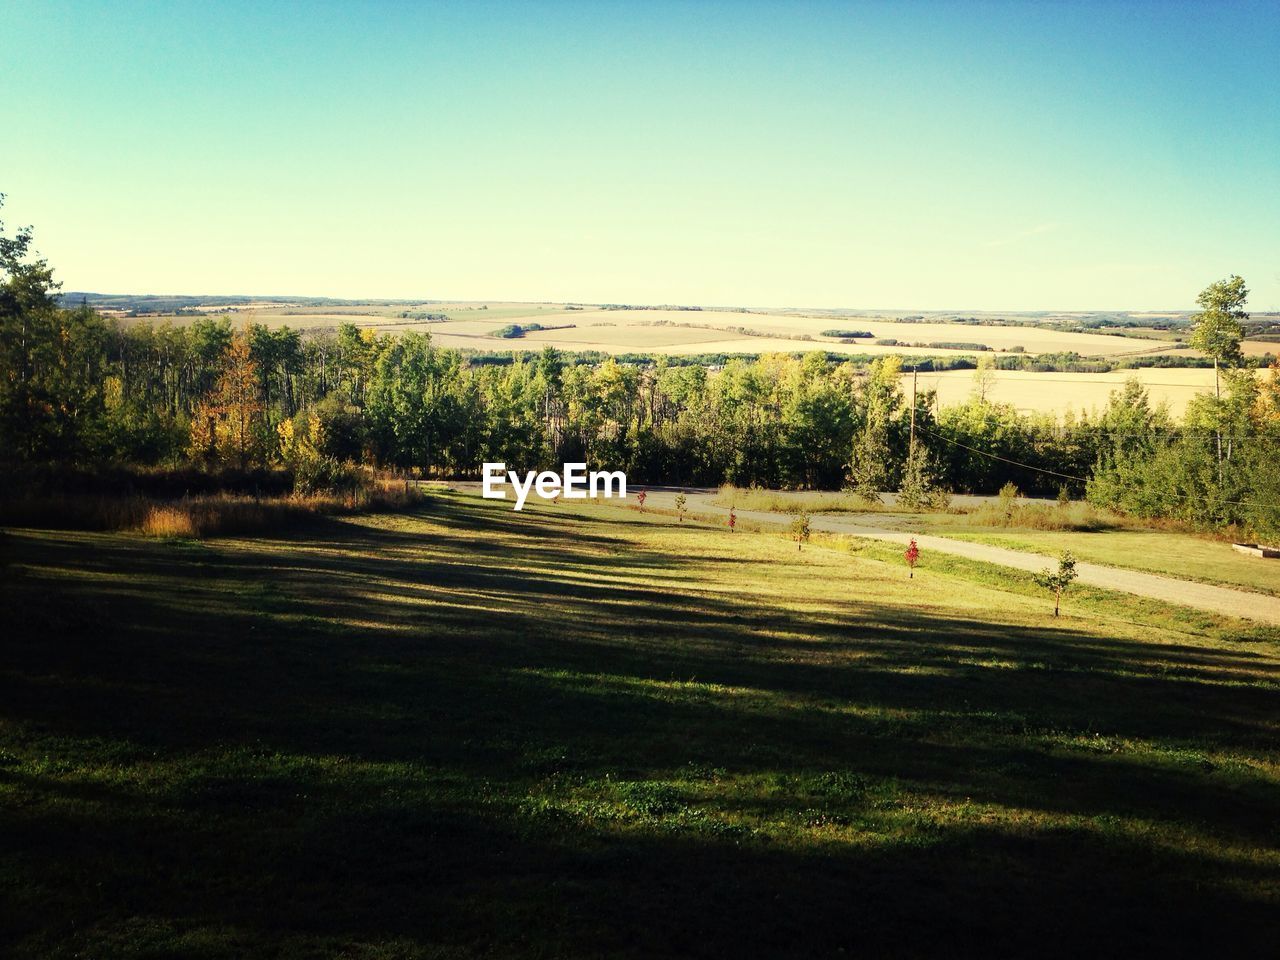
x: 393, y: 733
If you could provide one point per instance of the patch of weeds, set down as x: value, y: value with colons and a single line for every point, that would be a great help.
x: 824, y: 818
x: 703, y: 773
x: 650, y: 798
x: 1098, y: 743
x: 1191, y: 758
x: 689, y: 820
x: 543, y: 810
x: 844, y: 785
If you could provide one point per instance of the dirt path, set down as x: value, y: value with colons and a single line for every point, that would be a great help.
x: 1188, y: 593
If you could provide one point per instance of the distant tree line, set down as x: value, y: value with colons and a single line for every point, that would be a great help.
x: 79, y: 389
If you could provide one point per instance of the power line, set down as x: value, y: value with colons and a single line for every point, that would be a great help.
x: 995, y: 456
x: 1175, y: 432
x: 1068, y: 476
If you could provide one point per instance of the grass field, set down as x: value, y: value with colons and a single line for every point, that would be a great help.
x: 1095, y: 536
x: 470, y: 732
x: 1183, y: 555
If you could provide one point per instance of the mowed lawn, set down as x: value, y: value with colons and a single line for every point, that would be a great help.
x: 471, y: 732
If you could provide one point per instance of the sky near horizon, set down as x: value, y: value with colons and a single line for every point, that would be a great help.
x: 912, y: 155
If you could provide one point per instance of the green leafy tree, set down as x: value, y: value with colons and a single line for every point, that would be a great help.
x: 1058, y: 581
x: 682, y: 503
x: 1217, y: 329
x: 919, y: 487
x: 53, y: 363
x: 869, y: 469
x: 412, y: 401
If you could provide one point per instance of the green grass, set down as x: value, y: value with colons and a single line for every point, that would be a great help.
x: 1185, y: 555
x: 474, y: 732
x: 1092, y: 535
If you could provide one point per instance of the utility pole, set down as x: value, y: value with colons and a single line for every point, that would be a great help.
x: 1217, y: 416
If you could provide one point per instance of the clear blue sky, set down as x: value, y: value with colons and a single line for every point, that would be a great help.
x: 915, y: 155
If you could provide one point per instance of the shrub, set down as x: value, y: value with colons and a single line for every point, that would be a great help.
x: 326, y: 475
x: 800, y: 530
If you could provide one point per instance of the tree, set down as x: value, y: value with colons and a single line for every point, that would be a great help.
x: 1217, y: 331
x: 49, y: 384
x: 869, y: 465
x: 984, y: 377
x: 918, y: 488
x: 641, y: 496
x: 800, y: 529
x: 733, y: 520
x: 682, y: 503
x: 1058, y: 582
x: 912, y: 556
x: 413, y: 401
x: 227, y: 422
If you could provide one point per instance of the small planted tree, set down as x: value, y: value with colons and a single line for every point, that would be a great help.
x: 1059, y: 581
x: 641, y: 496
x: 733, y: 519
x: 912, y: 556
x: 682, y: 503
x: 800, y: 530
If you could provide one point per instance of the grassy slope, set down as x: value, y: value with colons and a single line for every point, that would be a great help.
x: 479, y: 732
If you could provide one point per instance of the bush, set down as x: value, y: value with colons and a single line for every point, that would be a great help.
x: 326, y: 475
x: 1081, y: 517
x: 514, y: 330
x: 956, y: 345
x: 202, y: 516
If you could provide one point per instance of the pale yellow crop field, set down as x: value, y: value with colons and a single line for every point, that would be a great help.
x: 1035, y: 392
x: 683, y: 332
x: 1256, y: 348
x: 677, y: 332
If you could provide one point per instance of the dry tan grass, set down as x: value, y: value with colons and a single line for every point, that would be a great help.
x: 1043, y: 516
x: 202, y: 516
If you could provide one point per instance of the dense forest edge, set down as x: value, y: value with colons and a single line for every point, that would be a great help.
x: 94, y: 404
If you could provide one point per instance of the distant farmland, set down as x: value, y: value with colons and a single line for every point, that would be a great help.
x: 683, y: 332
x: 676, y: 332
x: 1058, y: 392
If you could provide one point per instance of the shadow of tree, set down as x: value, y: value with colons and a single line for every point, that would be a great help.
x: 338, y: 736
